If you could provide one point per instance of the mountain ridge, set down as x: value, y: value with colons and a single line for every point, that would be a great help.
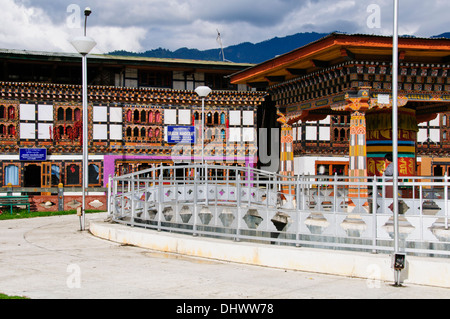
x: 245, y: 52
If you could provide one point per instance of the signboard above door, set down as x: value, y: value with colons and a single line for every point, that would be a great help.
x: 33, y: 154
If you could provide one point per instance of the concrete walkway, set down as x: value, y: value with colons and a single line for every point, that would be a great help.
x: 50, y: 258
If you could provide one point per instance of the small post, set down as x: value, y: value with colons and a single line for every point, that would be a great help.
x: 60, y: 197
x: 110, y: 191
x: 194, y: 227
x: 238, y: 205
x: 446, y: 199
x: 161, y: 200
x: 374, y: 212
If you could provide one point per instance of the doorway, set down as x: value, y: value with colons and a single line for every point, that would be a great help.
x: 32, y: 175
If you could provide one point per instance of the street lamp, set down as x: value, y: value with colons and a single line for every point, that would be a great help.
x: 84, y: 45
x: 395, y: 138
x: 203, y: 92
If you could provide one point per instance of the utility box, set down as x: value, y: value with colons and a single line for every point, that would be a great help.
x: 399, y: 261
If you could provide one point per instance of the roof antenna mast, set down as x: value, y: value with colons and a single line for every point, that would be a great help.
x: 219, y: 40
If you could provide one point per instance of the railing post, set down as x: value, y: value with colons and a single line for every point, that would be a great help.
x: 374, y: 213
x: 446, y: 199
x: 194, y: 227
x: 238, y: 204
x: 133, y: 201
x: 161, y: 199
x: 297, y: 197
x: 248, y: 185
x: 297, y: 222
x: 268, y: 190
x: 110, y: 189
x: 145, y: 211
x: 335, y: 193
x: 303, y: 192
x: 206, y: 184
x: 122, y: 199
x: 383, y: 193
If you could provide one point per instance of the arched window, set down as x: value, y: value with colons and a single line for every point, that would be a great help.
x: 129, y: 132
x: 336, y: 134
x: 61, y: 130
x: 2, y: 129
x: 158, y: 117
x: 342, y: 135
x: 77, y: 114
x: 151, y: 117
x: 2, y: 112
x: 136, y: 132
x: 222, y: 119
x: 11, y: 113
x: 60, y: 114
x: 69, y: 131
x: 11, y: 130
x: 136, y: 116
x: 216, y: 118
x: 150, y: 133
x: 69, y: 114
x: 209, y: 118
x: 143, y: 132
x: 157, y: 132
x: 143, y: 116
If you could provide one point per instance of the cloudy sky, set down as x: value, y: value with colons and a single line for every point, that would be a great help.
x: 140, y: 25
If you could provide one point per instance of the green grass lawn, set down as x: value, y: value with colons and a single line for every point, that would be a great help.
x: 3, y: 296
x: 17, y: 214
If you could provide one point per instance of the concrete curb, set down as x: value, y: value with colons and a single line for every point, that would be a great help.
x: 373, y: 267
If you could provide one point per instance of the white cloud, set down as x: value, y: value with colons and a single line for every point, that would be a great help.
x: 139, y: 25
x: 30, y: 28
x: 114, y: 38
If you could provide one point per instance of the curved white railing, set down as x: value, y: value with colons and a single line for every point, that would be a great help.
x: 317, y: 211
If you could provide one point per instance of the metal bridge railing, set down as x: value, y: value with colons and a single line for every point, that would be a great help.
x: 315, y: 211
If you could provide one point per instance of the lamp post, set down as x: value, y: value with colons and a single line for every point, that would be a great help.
x: 203, y: 92
x: 84, y: 45
x: 395, y: 140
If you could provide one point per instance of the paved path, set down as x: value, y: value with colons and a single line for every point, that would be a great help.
x: 50, y: 258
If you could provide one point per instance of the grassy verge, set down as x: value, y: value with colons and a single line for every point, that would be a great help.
x: 3, y: 296
x: 24, y: 214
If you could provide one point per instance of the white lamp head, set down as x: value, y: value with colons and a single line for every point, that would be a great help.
x: 203, y: 91
x: 83, y: 45
x: 87, y: 11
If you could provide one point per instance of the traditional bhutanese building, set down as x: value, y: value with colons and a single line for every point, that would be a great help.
x: 134, y: 105
x: 334, y: 100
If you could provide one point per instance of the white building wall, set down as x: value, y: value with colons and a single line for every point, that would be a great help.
x: 307, y: 165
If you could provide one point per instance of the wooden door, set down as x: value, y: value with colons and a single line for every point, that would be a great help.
x: 46, y: 177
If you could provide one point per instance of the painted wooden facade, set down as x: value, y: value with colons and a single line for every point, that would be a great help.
x: 339, y: 88
x: 128, y: 125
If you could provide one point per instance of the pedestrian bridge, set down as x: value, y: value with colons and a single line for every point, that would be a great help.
x: 247, y: 204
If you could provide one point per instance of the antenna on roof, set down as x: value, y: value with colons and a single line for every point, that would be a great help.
x: 219, y: 40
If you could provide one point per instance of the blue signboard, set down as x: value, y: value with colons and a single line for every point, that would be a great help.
x: 181, y: 134
x: 33, y: 154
